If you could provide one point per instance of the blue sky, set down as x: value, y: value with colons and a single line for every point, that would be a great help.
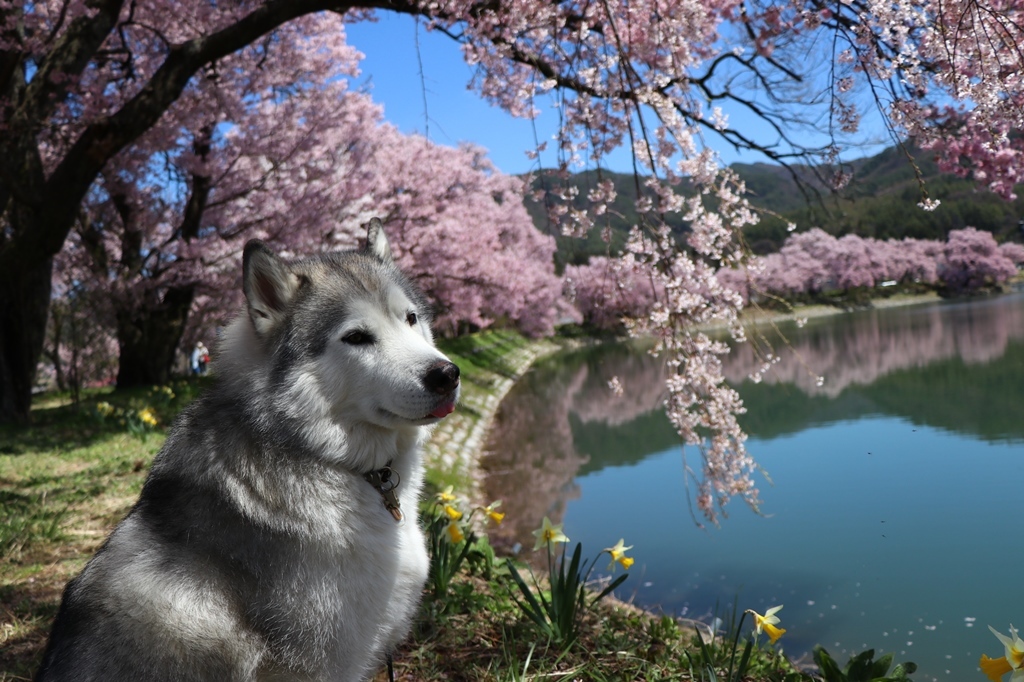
x: 440, y: 104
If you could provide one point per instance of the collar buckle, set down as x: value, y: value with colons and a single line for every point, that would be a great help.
x: 385, y: 481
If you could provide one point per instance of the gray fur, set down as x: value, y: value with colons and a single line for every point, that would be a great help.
x: 257, y: 550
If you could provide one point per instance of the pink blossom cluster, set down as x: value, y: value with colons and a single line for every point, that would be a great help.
x: 659, y: 290
x: 273, y: 144
x: 607, y: 291
x: 816, y: 262
x: 460, y: 229
x: 702, y: 407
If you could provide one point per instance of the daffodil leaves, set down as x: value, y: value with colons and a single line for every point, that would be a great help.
x: 862, y: 668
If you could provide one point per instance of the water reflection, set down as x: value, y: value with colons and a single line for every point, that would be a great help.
x: 860, y: 348
x: 957, y: 366
x: 541, y: 441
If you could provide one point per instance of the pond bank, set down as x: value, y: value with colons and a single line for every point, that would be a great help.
x: 493, y: 361
x: 490, y: 364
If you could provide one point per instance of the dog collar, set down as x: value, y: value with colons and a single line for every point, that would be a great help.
x: 385, y: 481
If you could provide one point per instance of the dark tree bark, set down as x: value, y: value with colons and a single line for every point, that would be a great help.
x: 148, y: 337
x: 38, y: 210
x: 24, y: 304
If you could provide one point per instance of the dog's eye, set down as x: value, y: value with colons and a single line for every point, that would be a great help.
x: 411, y: 319
x: 357, y: 337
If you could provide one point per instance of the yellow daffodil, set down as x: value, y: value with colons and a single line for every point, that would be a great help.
x: 104, y: 409
x: 147, y: 416
x: 995, y: 668
x: 618, y: 553
x: 446, y: 495
x: 495, y: 516
x: 548, y: 534
x: 455, y: 533
x: 453, y: 513
x: 767, y: 623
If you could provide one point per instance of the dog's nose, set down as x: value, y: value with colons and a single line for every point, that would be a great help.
x: 442, y: 378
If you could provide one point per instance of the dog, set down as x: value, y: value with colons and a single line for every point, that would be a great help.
x: 276, y: 535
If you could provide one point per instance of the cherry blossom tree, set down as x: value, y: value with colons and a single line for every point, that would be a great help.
x: 83, y: 80
x: 268, y: 143
x: 606, y: 291
x: 973, y: 260
x: 286, y: 153
x: 815, y: 262
x: 149, y: 260
x: 460, y: 230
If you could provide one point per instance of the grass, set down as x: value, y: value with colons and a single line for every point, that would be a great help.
x: 484, y: 637
x: 67, y: 479
x: 483, y: 356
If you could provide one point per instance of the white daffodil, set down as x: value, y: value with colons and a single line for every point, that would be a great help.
x: 548, y: 534
x: 491, y: 513
x: 446, y: 495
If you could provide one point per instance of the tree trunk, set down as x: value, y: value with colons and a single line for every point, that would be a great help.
x: 24, y: 303
x: 37, y: 211
x: 148, y: 338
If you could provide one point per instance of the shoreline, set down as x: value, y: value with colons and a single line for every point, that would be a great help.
x: 455, y: 447
x: 754, y: 316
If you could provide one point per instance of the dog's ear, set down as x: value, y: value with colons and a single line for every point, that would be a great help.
x: 376, y: 241
x: 269, y: 285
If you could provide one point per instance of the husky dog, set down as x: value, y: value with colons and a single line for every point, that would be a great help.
x: 276, y: 536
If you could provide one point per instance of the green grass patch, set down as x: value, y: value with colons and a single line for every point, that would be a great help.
x: 479, y: 356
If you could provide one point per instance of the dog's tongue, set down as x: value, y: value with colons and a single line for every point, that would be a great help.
x: 444, y: 410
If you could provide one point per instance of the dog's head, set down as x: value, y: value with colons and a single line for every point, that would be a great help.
x: 347, y: 335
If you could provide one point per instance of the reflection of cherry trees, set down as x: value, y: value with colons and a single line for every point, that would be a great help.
x: 860, y: 349
x: 642, y: 378
x: 535, y: 451
x: 531, y: 460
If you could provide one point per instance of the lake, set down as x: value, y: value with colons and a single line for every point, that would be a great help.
x: 892, y: 497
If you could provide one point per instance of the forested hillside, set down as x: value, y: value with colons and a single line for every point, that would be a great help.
x: 880, y: 201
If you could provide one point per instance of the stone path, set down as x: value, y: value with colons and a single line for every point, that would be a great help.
x: 456, y: 444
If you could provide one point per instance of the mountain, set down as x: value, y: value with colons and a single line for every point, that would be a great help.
x: 880, y: 201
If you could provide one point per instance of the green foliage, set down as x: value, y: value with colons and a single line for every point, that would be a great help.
x: 26, y: 520
x: 862, y: 668
x: 713, y: 657
x: 453, y: 549
x: 557, y: 614
x: 446, y: 556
